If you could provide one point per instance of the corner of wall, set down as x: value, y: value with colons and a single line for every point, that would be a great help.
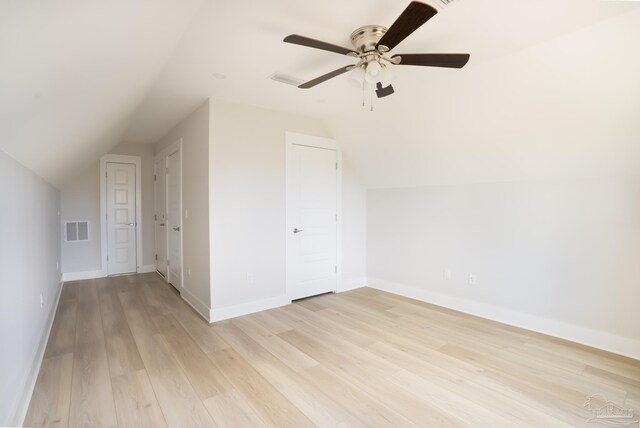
x: 223, y: 313
x: 147, y: 269
x: 200, y: 307
x: 351, y: 284
x: 212, y: 105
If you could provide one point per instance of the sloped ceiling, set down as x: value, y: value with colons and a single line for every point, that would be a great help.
x: 549, y: 92
x: 74, y: 71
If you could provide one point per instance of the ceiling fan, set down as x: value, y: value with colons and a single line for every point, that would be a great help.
x: 371, y: 45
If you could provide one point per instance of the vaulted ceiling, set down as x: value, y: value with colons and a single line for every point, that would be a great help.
x: 73, y: 72
x: 550, y: 90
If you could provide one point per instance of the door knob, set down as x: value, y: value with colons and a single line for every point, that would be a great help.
x: 161, y: 224
x: 132, y: 224
x: 177, y: 229
x: 296, y: 230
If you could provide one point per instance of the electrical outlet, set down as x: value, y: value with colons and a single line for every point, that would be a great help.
x: 41, y: 301
x: 473, y: 280
x: 446, y: 274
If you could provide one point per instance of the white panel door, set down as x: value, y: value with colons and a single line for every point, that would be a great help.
x: 121, y: 218
x: 174, y: 219
x: 160, y: 215
x: 312, y: 217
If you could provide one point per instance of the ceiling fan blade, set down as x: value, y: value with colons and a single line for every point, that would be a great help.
x: 317, y: 44
x: 409, y: 21
x: 325, y: 77
x: 434, y: 60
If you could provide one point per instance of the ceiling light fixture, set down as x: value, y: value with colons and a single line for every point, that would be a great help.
x: 373, y: 71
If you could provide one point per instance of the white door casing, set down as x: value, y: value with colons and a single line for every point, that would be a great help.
x: 174, y: 219
x: 126, y: 159
x: 160, y: 183
x: 121, y: 218
x: 313, y: 191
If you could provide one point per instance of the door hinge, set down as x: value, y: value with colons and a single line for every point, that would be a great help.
x: 336, y: 166
x: 336, y: 217
x: 155, y: 216
x: 107, y: 258
x: 155, y: 177
x: 168, y: 262
x: 336, y: 268
x: 167, y: 171
x: 156, y: 257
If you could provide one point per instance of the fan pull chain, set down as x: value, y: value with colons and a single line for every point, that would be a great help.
x: 364, y: 89
x: 371, y: 93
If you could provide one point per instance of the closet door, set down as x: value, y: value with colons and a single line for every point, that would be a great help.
x: 174, y: 217
x: 160, y: 215
x: 121, y: 218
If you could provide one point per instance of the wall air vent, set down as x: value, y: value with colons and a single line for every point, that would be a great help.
x: 76, y: 231
x: 287, y: 80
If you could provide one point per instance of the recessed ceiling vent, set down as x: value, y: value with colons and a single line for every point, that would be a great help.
x: 287, y: 80
x: 445, y: 2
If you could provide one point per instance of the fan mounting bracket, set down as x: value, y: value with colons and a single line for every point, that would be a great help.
x: 365, y: 39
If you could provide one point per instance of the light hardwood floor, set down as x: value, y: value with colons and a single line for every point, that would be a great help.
x: 128, y: 352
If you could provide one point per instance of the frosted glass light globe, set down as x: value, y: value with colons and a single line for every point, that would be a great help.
x: 386, y: 76
x: 356, y: 77
x: 374, y: 68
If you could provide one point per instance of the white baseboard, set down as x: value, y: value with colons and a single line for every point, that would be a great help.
x: 78, y: 276
x: 93, y: 274
x: 147, y: 269
x: 196, y: 304
x: 219, y: 314
x: 21, y: 404
x: 351, y: 284
x: 594, y: 338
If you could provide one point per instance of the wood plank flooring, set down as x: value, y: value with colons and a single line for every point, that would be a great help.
x: 128, y: 352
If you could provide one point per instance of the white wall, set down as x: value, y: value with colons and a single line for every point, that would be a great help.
x: 194, y: 131
x: 80, y: 200
x: 247, y: 205
x: 562, y: 257
x: 354, y: 227
x: 29, y: 251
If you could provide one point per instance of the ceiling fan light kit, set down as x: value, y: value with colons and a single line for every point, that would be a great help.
x: 371, y: 44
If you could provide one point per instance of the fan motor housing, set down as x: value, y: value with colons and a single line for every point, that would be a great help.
x: 365, y: 39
